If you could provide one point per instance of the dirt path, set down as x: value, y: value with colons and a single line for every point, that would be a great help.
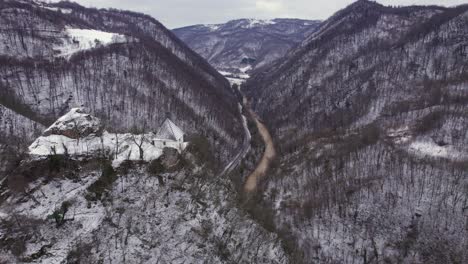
x: 268, y: 156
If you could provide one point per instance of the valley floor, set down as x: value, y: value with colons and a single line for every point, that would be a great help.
x: 268, y: 156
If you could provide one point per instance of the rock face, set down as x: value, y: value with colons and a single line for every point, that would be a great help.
x: 244, y: 44
x: 82, y: 136
x: 370, y: 117
x: 125, y: 67
x: 75, y: 124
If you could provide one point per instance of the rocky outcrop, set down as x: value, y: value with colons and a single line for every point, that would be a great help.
x: 79, y: 135
x: 75, y: 124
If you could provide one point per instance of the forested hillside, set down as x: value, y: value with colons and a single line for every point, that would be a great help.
x: 125, y: 67
x: 100, y: 185
x: 370, y: 118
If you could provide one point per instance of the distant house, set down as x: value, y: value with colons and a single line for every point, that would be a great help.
x: 171, y: 135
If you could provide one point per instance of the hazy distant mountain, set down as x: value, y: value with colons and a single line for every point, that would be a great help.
x: 239, y: 45
x: 370, y: 117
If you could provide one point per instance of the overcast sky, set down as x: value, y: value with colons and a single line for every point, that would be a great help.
x: 178, y: 13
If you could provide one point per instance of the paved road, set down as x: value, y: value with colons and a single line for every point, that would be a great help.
x: 244, y: 150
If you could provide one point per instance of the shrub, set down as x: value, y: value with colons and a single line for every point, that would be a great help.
x: 201, y: 148
x: 370, y: 134
x: 18, y: 247
x: 80, y: 254
x: 126, y: 166
x: 429, y: 122
x: 59, y: 214
x: 155, y: 167
x: 17, y: 183
x: 99, y: 187
x: 17, y: 231
x: 56, y: 162
x: 54, y: 166
x: 39, y: 254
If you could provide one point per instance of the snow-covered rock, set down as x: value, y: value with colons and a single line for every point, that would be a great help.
x: 75, y: 124
x: 81, y: 135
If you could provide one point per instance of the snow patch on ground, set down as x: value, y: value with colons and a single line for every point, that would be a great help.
x: 225, y: 73
x: 236, y: 78
x: 429, y: 148
x: 62, y: 10
x: 246, y: 68
x: 259, y: 22
x: 400, y: 135
x: 86, y: 39
x: 236, y: 81
x: 212, y: 27
x: 44, y: 199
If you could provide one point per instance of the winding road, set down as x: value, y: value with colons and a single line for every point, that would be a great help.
x: 244, y: 149
x: 267, y: 158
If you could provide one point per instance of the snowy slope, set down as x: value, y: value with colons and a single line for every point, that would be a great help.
x: 63, y: 202
x: 370, y: 116
x: 85, y: 39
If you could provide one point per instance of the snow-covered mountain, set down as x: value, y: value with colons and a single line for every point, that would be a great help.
x: 119, y: 144
x: 240, y: 45
x: 369, y: 116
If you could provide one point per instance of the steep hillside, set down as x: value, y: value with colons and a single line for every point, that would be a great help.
x: 126, y: 67
x: 108, y: 181
x: 370, y: 118
x: 240, y: 45
x: 84, y: 195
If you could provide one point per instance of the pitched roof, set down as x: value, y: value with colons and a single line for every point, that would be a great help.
x: 170, y: 131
